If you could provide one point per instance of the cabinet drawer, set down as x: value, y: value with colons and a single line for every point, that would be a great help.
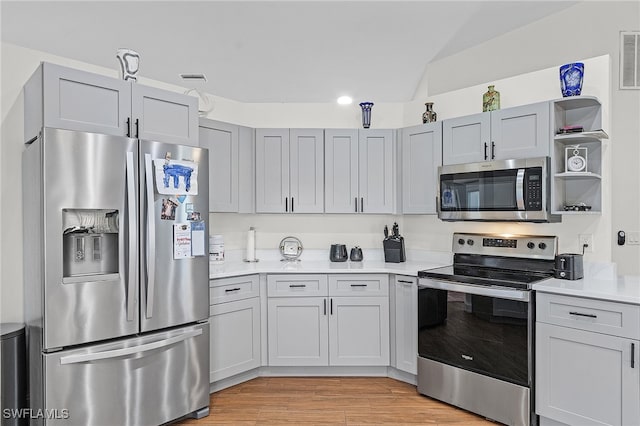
x: 296, y: 285
x: 236, y: 288
x: 358, y: 285
x: 616, y: 319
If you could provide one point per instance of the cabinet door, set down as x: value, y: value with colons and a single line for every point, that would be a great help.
x: 83, y: 101
x: 406, y: 291
x: 221, y: 139
x: 306, y: 165
x: 163, y: 116
x: 586, y: 378
x: 297, y: 330
x: 376, y: 171
x: 520, y: 132
x: 272, y: 170
x: 359, y: 331
x: 341, y: 171
x: 235, y: 338
x: 466, y: 139
x: 421, y: 156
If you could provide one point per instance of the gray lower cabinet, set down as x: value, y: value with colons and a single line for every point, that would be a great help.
x: 231, y: 166
x: 421, y: 148
x: 344, y: 324
x: 359, y: 171
x: 289, y: 171
x: 66, y: 98
x: 406, y: 323
x: 234, y: 322
x: 518, y: 132
x: 585, y: 376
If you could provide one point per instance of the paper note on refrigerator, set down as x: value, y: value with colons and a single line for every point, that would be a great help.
x: 176, y: 177
x: 197, y: 238
x: 181, y: 241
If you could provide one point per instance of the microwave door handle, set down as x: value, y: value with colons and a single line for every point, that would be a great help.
x: 151, y: 236
x: 133, y: 231
x: 520, y: 190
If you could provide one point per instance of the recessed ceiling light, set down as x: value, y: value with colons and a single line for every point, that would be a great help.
x: 345, y: 100
x: 193, y: 77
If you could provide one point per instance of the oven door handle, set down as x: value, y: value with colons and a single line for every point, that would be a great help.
x: 520, y: 189
x: 497, y: 292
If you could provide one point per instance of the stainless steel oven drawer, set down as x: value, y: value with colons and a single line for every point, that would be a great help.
x: 601, y: 316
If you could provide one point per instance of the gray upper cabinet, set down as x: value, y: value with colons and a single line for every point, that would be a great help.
x: 221, y: 139
x: 289, y: 171
x: 66, y: 98
x: 359, y: 171
x: 164, y: 116
x: 341, y: 170
x: 518, y: 132
x: 421, y: 149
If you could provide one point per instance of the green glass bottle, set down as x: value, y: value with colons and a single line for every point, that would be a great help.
x: 491, y: 100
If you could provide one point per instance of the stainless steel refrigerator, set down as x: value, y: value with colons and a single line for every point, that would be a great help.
x: 116, y: 279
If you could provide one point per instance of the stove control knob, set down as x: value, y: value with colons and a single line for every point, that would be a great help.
x: 461, y: 241
x: 470, y: 241
x: 531, y: 245
x: 542, y: 246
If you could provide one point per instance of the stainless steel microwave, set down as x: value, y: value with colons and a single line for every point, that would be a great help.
x: 505, y: 190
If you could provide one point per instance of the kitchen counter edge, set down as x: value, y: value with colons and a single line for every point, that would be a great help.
x: 623, y: 289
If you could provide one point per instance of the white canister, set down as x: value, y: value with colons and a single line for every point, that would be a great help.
x: 216, y: 248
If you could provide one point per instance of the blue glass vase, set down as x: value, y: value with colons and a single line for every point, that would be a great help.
x: 366, y: 114
x: 571, y: 76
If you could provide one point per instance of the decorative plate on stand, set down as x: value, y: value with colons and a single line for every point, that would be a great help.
x: 290, y: 249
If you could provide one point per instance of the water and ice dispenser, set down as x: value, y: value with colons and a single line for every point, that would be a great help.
x: 90, y: 242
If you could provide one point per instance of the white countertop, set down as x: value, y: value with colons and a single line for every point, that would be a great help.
x: 600, y: 282
x: 318, y: 263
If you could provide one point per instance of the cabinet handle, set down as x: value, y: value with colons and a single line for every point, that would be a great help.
x: 286, y: 204
x: 128, y: 127
x: 493, y: 150
x: 356, y: 203
x: 324, y: 304
x: 331, y: 306
x: 485, y: 150
x: 292, y: 205
x: 137, y: 127
x: 297, y: 285
x: 580, y: 314
x: 229, y: 290
x: 405, y: 281
x: 358, y: 285
x: 633, y: 355
x: 361, y: 204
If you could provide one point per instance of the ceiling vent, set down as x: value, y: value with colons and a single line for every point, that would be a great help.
x: 193, y: 77
x: 630, y: 59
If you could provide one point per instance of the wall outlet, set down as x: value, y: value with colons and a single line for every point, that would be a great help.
x: 633, y: 238
x: 585, y: 239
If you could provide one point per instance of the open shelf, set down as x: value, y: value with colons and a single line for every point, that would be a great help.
x: 574, y: 213
x: 581, y: 136
x: 578, y: 175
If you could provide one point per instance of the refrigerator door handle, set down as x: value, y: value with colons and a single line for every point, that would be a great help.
x: 133, y: 232
x: 151, y: 236
x: 95, y: 356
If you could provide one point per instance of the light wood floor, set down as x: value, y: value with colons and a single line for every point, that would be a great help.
x: 330, y: 400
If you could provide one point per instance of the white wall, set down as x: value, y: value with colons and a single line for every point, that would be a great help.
x: 588, y: 29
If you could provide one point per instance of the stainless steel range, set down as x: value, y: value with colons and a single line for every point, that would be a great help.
x: 475, y: 324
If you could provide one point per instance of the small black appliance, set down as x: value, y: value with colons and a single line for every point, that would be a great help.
x: 338, y: 253
x: 569, y: 266
x: 356, y: 254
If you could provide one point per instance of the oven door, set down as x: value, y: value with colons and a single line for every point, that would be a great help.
x: 476, y: 328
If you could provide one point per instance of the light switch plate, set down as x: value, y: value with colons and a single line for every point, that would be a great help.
x: 633, y: 238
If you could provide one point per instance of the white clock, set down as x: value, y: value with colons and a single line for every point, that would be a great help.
x: 576, y: 159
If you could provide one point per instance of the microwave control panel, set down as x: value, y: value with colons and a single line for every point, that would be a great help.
x: 533, y: 189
